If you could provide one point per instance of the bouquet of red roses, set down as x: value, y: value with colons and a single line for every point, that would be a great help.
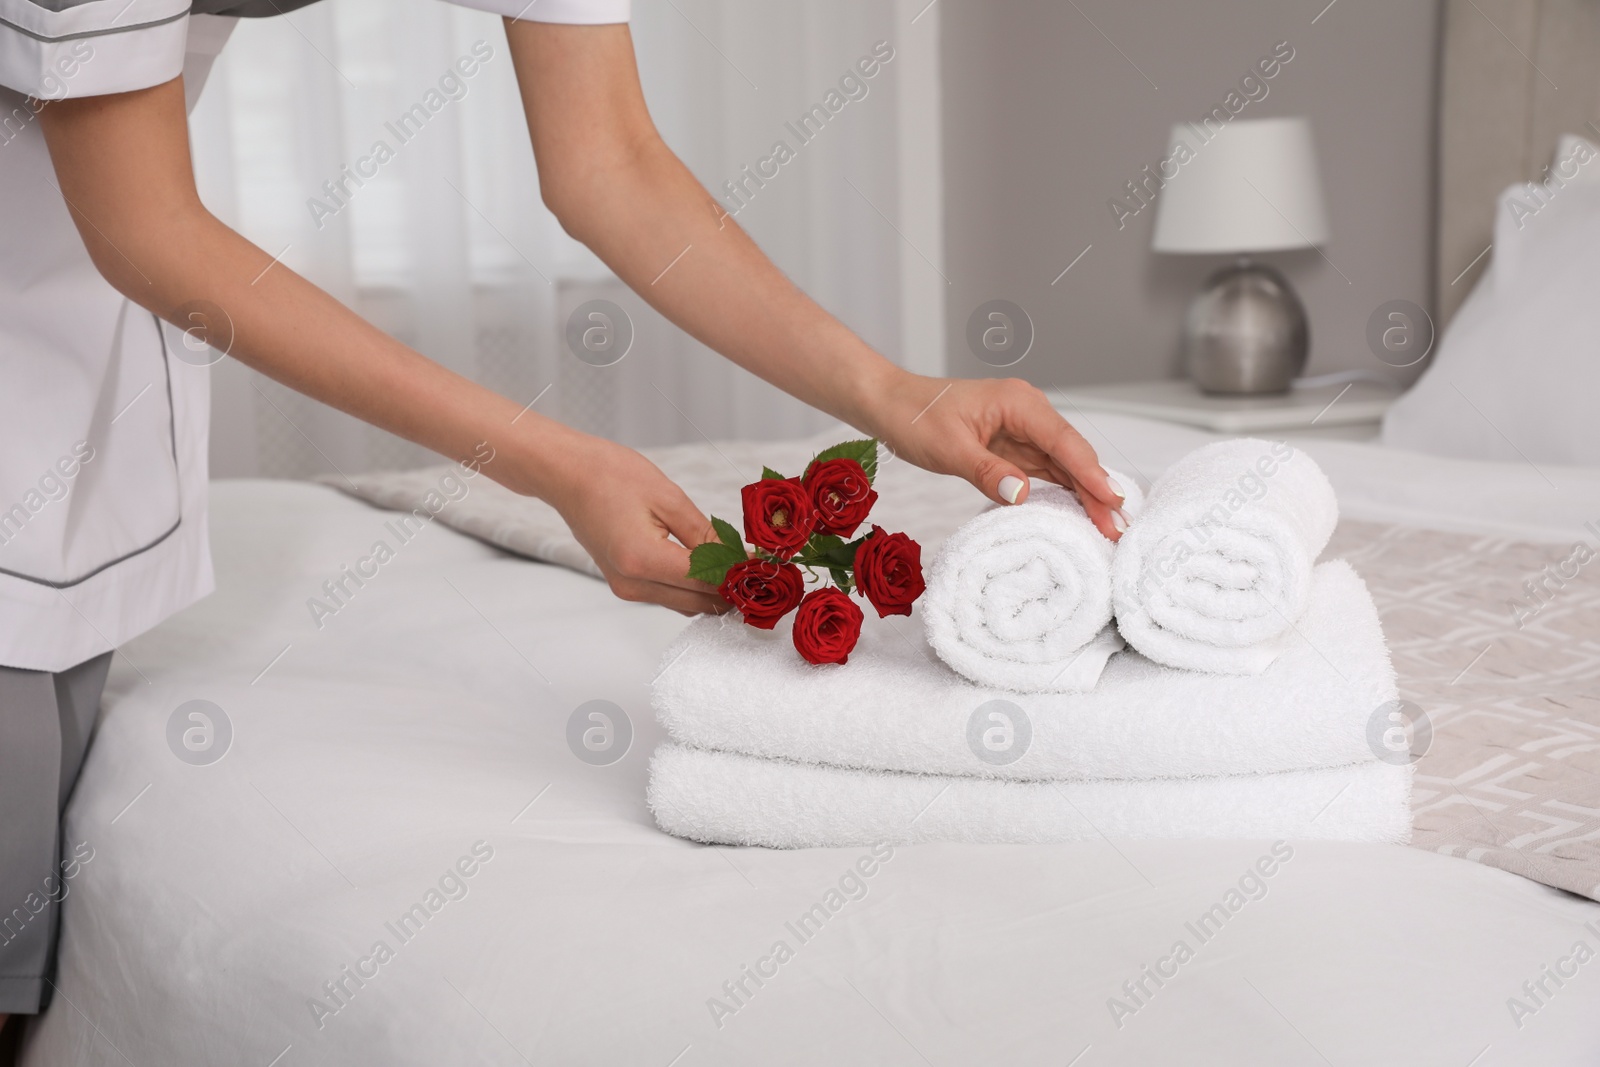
x: 803, y: 525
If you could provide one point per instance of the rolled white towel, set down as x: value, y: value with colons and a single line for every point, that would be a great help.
x: 1020, y: 597
x: 1216, y: 570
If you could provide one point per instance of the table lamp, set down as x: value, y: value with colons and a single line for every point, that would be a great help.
x: 1250, y: 186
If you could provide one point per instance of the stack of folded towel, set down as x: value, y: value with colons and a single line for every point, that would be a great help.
x: 1003, y: 710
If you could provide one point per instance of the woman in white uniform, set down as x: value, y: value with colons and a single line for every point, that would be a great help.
x: 103, y: 428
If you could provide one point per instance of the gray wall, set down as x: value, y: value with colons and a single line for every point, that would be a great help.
x: 1045, y: 121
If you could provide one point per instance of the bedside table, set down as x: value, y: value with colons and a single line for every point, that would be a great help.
x: 1351, y: 410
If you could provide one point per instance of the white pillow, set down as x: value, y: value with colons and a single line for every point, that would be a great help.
x: 1517, y: 374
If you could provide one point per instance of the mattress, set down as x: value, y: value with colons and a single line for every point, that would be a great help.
x: 406, y: 854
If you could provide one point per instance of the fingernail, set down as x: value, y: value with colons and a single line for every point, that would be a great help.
x: 1119, y: 521
x: 1010, y: 488
x: 1116, y: 488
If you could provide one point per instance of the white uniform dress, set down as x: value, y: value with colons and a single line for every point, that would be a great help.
x: 102, y: 425
x: 102, y: 434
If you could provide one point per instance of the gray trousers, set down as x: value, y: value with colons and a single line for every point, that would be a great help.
x: 45, y: 724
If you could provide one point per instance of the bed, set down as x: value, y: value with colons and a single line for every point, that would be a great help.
x: 231, y: 910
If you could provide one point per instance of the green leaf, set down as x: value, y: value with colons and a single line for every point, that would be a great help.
x: 831, y: 551
x: 863, y: 452
x: 728, y: 535
x: 841, y: 578
x: 823, y: 543
x: 710, y: 562
x: 768, y: 474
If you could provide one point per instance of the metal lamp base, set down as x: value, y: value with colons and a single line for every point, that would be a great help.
x: 1246, y: 332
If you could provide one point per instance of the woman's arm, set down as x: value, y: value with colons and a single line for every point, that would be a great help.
x: 615, y: 185
x: 122, y: 161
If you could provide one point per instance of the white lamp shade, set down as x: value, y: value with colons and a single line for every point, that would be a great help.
x: 1251, y: 186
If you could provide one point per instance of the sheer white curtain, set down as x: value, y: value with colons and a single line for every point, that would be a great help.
x: 443, y: 242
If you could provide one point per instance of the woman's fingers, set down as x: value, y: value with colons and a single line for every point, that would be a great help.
x: 683, y: 601
x: 1043, y: 426
x: 691, y: 527
x: 657, y: 560
x: 655, y: 568
x: 1108, y: 520
x: 1006, y: 482
x: 685, y: 521
x: 638, y: 527
x: 995, y: 477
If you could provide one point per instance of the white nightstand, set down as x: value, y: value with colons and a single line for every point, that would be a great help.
x: 1350, y: 410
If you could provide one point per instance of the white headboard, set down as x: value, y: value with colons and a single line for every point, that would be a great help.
x: 1516, y: 75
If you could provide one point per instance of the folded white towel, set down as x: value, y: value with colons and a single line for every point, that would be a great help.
x: 723, y: 685
x: 1216, y: 570
x: 726, y: 798
x: 1017, y: 593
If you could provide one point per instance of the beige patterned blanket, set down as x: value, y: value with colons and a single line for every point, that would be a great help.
x: 1511, y: 774
x: 1498, y: 643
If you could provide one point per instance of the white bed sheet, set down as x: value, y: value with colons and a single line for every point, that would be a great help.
x: 425, y: 716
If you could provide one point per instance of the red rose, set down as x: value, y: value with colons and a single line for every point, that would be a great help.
x: 889, y: 571
x: 841, y: 494
x: 763, y: 591
x: 778, y: 515
x: 826, y: 626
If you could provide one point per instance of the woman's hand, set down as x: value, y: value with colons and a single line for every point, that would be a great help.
x: 996, y: 434
x: 626, y: 514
